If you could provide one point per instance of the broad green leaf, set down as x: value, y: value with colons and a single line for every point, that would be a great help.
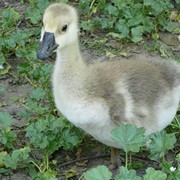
x: 158, y: 6
x: 3, y: 154
x: 131, y: 137
x: 126, y: 174
x: 152, y: 174
x: 120, y: 3
x: 128, y: 13
x: 2, y: 58
x: 160, y: 143
x: 9, y: 18
x: 36, y: 107
x: 21, y: 154
x: 5, y: 120
x: 42, y: 4
x: 38, y: 94
x: 18, y: 157
x: 47, y: 175
x: 33, y: 14
x: 112, y: 10
x: 104, y: 22
x: 24, y: 67
x: 21, y: 37
x: 5, y: 159
x: 11, y: 43
x: 85, y: 6
x: 28, y: 52
x: 7, y: 137
x: 147, y: 24
x: 178, y: 158
x: 98, y: 173
x: 137, y: 33
x: 87, y: 26
x: 136, y: 21
x: 10, y: 14
x: 50, y: 133
x: 122, y: 28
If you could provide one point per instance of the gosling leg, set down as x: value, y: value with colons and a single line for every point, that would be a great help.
x: 115, y: 161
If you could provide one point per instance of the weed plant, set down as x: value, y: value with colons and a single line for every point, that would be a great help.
x: 130, y: 20
x: 45, y: 129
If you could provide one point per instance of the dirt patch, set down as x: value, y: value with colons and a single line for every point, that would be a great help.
x: 12, y: 99
x: 14, y: 4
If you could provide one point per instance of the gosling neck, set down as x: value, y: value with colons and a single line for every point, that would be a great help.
x: 70, y: 55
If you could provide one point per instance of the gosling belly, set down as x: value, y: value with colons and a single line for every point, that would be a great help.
x: 103, y: 135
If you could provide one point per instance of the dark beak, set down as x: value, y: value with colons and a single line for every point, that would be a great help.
x: 47, y: 46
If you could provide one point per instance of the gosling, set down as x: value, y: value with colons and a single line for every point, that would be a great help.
x: 101, y: 96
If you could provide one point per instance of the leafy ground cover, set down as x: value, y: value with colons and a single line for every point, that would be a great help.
x: 34, y: 137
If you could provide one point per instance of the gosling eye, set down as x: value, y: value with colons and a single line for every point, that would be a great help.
x: 64, y: 28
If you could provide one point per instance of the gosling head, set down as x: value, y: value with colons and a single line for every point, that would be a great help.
x: 60, y: 29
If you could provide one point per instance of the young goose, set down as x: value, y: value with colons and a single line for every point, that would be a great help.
x: 101, y: 96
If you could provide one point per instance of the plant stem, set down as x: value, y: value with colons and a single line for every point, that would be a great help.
x: 177, y: 122
x: 36, y: 166
x: 91, y: 5
x: 33, y: 84
x: 163, y: 159
x: 130, y: 159
x: 126, y: 163
x: 47, y: 160
x: 81, y: 177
